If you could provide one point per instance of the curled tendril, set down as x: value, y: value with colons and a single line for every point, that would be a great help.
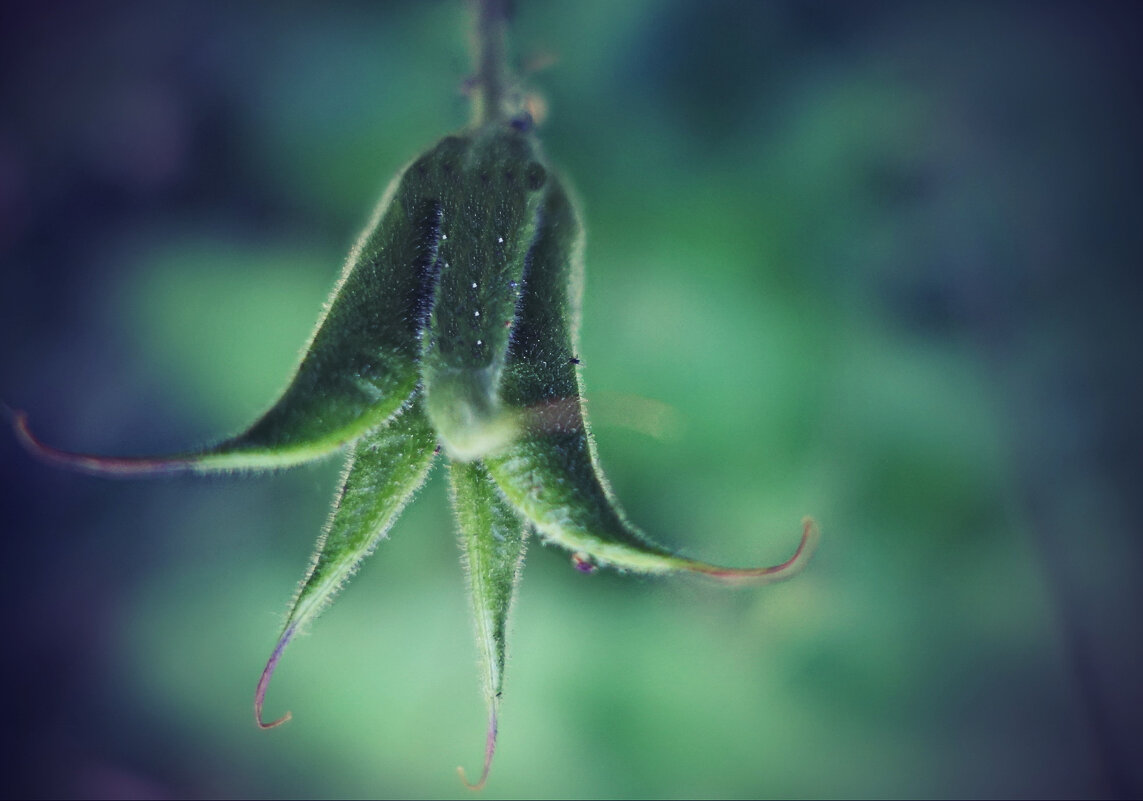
x: 264, y: 682
x: 489, y: 750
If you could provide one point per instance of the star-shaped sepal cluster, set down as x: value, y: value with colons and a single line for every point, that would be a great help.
x: 453, y: 328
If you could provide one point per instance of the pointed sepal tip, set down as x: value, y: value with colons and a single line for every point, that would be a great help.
x: 90, y: 463
x: 489, y: 750
x: 264, y: 682
x: 765, y: 575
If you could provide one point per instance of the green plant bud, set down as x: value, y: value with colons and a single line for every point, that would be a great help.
x: 453, y: 327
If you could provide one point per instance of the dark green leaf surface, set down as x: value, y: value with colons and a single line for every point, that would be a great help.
x: 489, y: 185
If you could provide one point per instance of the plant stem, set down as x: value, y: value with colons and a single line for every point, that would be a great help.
x: 491, y: 56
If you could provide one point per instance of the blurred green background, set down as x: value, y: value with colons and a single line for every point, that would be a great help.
x: 873, y: 262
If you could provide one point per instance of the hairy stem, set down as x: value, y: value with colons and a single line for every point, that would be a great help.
x: 491, y: 56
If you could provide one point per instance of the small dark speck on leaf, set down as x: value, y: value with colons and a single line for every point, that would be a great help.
x: 583, y: 564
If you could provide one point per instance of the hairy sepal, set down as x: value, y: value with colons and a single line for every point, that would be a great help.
x: 492, y: 542
x: 384, y: 471
x: 551, y: 473
x: 358, y: 369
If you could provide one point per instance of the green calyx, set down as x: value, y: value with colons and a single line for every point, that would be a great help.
x: 453, y: 327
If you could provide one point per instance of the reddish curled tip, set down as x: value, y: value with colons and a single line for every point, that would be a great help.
x: 87, y: 463
x: 763, y: 575
x: 489, y: 750
x: 264, y: 682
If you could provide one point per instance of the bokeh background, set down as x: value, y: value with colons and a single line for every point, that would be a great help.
x: 874, y: 262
